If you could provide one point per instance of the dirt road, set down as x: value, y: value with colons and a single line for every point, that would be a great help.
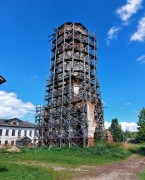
x: 124, y: 170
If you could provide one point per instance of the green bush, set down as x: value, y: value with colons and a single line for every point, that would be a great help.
x: 101, y: 153
x: 3, y: 150
x: 111, y: 150
x: 138, y: 149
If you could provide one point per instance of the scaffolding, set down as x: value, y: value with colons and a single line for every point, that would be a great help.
x: 73, y: 111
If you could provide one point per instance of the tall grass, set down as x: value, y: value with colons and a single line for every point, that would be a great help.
x: 142, y: 175
x: 138, y: 149
x: 116, y: 150
x: 101, y: 153
x: 13, y: 171
x: 37, y: 163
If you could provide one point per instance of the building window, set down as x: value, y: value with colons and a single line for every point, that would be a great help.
x: 7, y: 132
x: 19, y: 133
x: 12, y: 143
x: 13, y: 132
x: 14, y: 123
x: 30, y: 133
x: 6, y: 142
x: 1, y: 131
x: 25, y: 133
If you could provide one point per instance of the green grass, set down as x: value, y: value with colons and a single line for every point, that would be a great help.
x: 101, y: 153
x: 142, y: 175
x: 138, y: 149
x: 13, y: 171
x: 36, y: 163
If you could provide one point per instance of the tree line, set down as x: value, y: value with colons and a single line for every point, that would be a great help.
x: 119, y: 135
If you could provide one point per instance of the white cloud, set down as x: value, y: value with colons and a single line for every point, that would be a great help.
x: 107, y: 124
x: 139, y: 35
x: 34, y: 77
x: 11, y: 106
x: 128, y: 104
x: 122, y: 107
x: 130, y: 126
x: 125, y: 105
x: 141, y: 59
x: 113, y: 32
x: 125, y: 12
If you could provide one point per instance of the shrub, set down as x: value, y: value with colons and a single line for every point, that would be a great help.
x: 111, y: 149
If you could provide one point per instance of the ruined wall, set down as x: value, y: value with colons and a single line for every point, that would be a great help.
x: 91, y: 123
x: 76, y: 87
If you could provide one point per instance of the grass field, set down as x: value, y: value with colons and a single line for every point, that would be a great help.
x: 37, y: 163
x: 13, y: 171
x: 142, y: 175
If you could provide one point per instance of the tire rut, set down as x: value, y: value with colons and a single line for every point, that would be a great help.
x: 124, y: 170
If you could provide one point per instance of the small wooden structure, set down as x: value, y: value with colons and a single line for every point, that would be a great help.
x: 23, y: 141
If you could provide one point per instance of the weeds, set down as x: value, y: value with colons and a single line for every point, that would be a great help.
x: 111, y: 150
x: 138, y: 149
x: 13, y: 171
x: 101, y: 153
x: 3, y: 169
x: 142, y: 175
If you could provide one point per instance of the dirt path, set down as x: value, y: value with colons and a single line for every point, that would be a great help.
x: 125, y: 170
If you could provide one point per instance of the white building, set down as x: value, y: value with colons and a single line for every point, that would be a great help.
x: 15, y: 129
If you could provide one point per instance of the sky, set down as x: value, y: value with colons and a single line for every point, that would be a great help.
x: 25, y: 53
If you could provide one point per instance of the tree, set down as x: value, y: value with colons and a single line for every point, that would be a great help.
x: 141, y: 124
x: 129, y: 134
x: 116, y: 131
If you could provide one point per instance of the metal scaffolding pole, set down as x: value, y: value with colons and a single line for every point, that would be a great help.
x: 73, y: 110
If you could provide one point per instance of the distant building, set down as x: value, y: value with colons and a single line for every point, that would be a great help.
x: 13, y: 130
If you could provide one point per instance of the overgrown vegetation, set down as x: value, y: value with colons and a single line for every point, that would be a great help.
x: 138, y: 149
x: 13, y: 171
x: 141, y: 124
x: 142, y: 175
x: 32, y: 162
x: 128, y: 135
x: 101, y: 153
x: 116, y: 131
